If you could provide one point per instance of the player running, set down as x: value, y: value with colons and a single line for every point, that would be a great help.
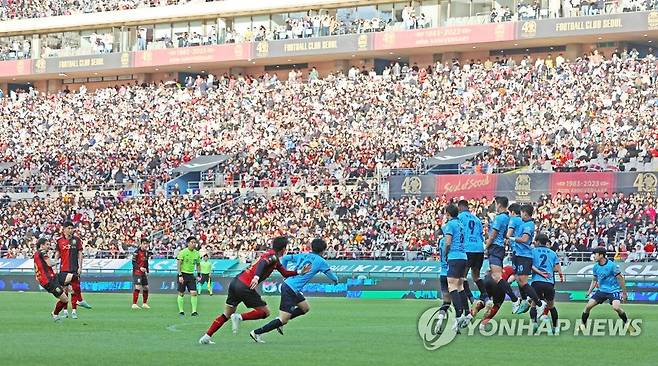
x: 457, y: 260
x: 474, y: 244
x: 293, y: 303
x: 610, y: 283
x: 544, y: 265
x: 69, y: 251
x: 140, y: 269
x: 495, y: 247
x: 243, y: 289
x: 47, y: 279
x: 206, y: 271
x: 522, y: 260
x: 188, y: 259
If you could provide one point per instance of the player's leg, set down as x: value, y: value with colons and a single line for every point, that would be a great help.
x: 292, y: 303
x: 62, y: 299
x: 75, y: 284
x: 194, y: 299
x: 181, y: 295
x: 145, y: 296
x: 596, y: 299
x: 229, y: 309
x: 252, y: 300
x: 453, y: 289
x: 616, y: 306
x: 496, y: 256
x: 523, y: 271
x: 445, y: 306
x: 498, y: 297
x: 64, y: 280
x: 476, y: 268
x: 136, y: 291
x: 209, y: 285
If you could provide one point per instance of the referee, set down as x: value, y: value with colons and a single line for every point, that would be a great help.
x: 188, y: 259
x: 206, y: 270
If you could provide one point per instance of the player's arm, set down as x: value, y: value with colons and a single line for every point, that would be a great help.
x: 329, y: 273
x: 284, y: 272
x: 178, y: 265
x: 49, y: 261
x: 540, y: 272
x: 510, y: 232
x: 522, y: 239
x: 448, y: 236
x: 492, y: 235
x: 592, y: 286
x: 80, y: 249
x: 558, y: 269
x: 622, y: 283
x: 260, y: 267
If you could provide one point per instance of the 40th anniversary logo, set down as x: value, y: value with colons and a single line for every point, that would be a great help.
x: 437, y: 331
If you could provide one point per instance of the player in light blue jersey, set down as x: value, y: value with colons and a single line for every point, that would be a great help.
x: 515, y: 229
x: 456, y: 253
x: 522, y: 259
x: 610, y: 283
x: 293, y: 302
x: 474, y: 244
x: 443, y: 280
x: 495, y: 248
x: 544, y: 265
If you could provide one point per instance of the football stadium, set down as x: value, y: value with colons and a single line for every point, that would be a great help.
x: 328, y: 182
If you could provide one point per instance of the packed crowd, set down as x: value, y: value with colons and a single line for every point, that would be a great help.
x: 17, y: 9
x: 356, y: 224
x: 545, y: 113
x: 535, y: 9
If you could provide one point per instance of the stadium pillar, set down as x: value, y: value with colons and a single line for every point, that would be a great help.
x: 3, y: 87
x: 35, y: 46
x: 54, y: 86
x: 573, y: 51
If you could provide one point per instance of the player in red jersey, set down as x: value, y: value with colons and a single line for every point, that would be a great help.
x: 496, y: 294
x: 46, y: 276
x: 243, y: 289
x: 140, y: 269
x: 69, y: 250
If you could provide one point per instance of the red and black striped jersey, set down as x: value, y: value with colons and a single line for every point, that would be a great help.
x: 263, y: 267
x: 42, y: 271
x: 68, y: 250
x: 141, y: 260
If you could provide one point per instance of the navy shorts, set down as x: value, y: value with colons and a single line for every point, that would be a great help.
x: 545, y: 290
x: 600, y: 297
x: 522, y: 265
x: 444, y: 284
x: 496, y: 255
x: 475, y: 260
x: 289, y: 298
x: 457, y: 268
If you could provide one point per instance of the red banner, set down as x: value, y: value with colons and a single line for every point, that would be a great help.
x: 583, y: 182
x: 192, y: 55
x: 467, y: 34
x: 468, y: 186
x: 15, y: 68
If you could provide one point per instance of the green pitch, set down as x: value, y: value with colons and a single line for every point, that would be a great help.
x: 335, y: 332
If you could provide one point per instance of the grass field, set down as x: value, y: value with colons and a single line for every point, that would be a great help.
x: 337, y: 331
